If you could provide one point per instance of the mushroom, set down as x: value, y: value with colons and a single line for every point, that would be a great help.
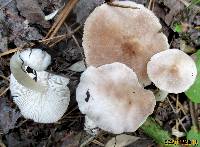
x: 112, y: 99
x: 44, y: 99
x: 172, y: 71
x: 127, y: 35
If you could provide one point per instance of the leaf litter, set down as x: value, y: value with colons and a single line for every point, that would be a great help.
x: 20, y: 26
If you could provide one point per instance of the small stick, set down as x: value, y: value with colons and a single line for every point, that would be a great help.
x: 175, y: 111
x: 75, y: 40
x: 5, y: 4
x: 121, y: 6
x: 10, y: 51
x: 180, y: 106
x: 63, y: 15
x: 65, y: 36
x: 193, y: 116
x: 85, y: 143
x: 4, y: 91
x: 177, y: 122
x: 5, y: 78
x: 98, y: 143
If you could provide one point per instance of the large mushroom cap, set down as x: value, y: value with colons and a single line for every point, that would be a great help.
x: 113, y: 99
x: 172, y: 71
x: 45, y: 107
x: 126, y: 35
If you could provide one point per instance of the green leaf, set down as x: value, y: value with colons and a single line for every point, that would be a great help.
x: 178, y: 28
x: 194, y: 2
x: 151, y: 128
x: 193, y: 135
x: 194, y: 92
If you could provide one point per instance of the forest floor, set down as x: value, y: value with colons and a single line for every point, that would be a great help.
x: 22, y: 25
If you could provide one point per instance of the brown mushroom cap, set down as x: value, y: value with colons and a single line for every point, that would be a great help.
x: 112, y: 98
x: 126, y: 35
x: 172, y: 70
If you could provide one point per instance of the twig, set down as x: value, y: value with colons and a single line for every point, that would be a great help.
x: 121, y: 6
x: 5, y: 90
x: 71, y: 111
x: 10, y: 51
x: 87, y: 141
x: 50, y: 39
x: 5, y: 4
x: 150, y: 4
x: 5, y: 78
x: 171, y: 106
x: 64, y: 36
x: 180, y: 106
x: 2, y: 144
x: 193, y: 115
x: 98, y: 142
x: 185, y: 3
x: 175, y: 111
x: 177, y: 125
x: 61, y: 18
x: 75, y: 40
x: 19, y: 125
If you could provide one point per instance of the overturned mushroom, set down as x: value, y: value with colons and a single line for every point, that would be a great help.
x: 172, y: 70
x: 112, y: 98
x: 127, y: 35
x: 44, y: 99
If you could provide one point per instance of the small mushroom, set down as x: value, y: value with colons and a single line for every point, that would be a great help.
x: 44, y: 99
x: 127, y: 35
x: 172, y: 70
x: 112, y: 98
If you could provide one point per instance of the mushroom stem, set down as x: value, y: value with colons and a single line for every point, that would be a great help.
x: 153, y: 130
x: 22, y: 77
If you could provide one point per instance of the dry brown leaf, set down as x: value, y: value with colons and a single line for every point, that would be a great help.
x: 32, y: 12
x: 121, y: 140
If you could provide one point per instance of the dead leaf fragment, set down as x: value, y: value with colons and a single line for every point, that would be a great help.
x: 175, y: 7
x: 84, y: 8
x: 8, y: 116
x: 32, y: 12
x: 78, y: 66
x: 121, y: 140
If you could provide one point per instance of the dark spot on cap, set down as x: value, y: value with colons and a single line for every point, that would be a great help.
x: 88, y: 96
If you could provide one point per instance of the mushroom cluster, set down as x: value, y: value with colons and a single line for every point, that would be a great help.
x: 127, y: 35
x: 126, y: 50
x: 43, y: 98
x: 112, y: 98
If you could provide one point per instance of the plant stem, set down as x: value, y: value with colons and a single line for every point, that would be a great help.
x: 153, y: 130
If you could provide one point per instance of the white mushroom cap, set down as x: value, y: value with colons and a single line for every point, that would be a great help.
x: 126, y: 35
x: 113, y: 99
x: 42, y: 106
x: 45, y: 107
x: 37, y: 59
x: 172, y: 70
x: 34, y: 58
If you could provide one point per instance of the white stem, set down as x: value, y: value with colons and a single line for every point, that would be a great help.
x: 22, y: 77
x: 160, y: 95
